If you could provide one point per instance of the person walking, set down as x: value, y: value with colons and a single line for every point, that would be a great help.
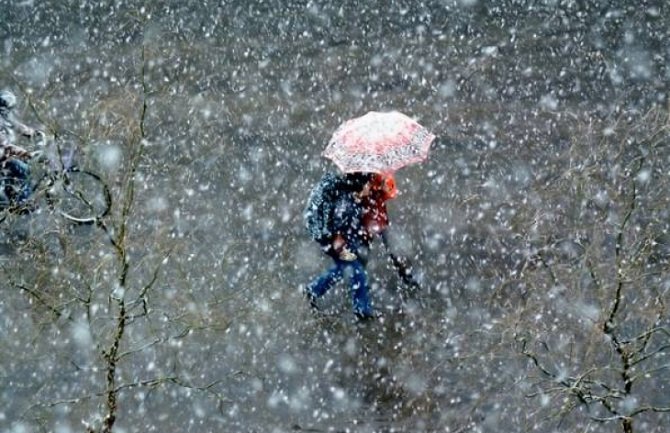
x: 344, y: 214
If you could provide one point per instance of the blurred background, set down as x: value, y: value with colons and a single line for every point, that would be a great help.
x: 538, y: 226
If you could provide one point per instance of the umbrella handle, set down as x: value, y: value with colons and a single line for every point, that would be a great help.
x: 402, y: 265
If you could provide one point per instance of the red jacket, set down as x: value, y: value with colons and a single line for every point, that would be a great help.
x: 375, y: 214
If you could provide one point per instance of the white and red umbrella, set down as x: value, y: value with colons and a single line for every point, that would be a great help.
x: 378, y: 142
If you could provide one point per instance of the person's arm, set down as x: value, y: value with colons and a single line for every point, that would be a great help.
x: 23, y: 129
x: 338, y: 243
x: 340, y: 248
x: 13, y: 150
x: 344, y: 217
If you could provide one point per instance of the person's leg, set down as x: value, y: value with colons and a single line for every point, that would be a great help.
x: 325, y: 281
x: 359, y: 290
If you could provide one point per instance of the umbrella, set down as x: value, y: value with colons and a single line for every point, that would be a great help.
x: 379, y: 142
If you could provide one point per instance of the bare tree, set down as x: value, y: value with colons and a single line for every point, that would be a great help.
x: 602, y: 346
x: 97, y: 282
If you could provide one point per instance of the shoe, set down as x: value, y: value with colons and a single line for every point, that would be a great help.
x: 366, y: 315
x: 311, y: 298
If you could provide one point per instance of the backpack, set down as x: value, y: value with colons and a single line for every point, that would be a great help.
x: 320, y: 211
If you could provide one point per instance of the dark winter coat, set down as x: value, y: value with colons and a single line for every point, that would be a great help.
x: 332, y: 209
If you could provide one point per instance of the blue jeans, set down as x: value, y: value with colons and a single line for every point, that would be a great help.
x: 355, y: 270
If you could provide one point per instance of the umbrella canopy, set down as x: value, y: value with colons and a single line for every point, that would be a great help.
x: 378, y: 142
